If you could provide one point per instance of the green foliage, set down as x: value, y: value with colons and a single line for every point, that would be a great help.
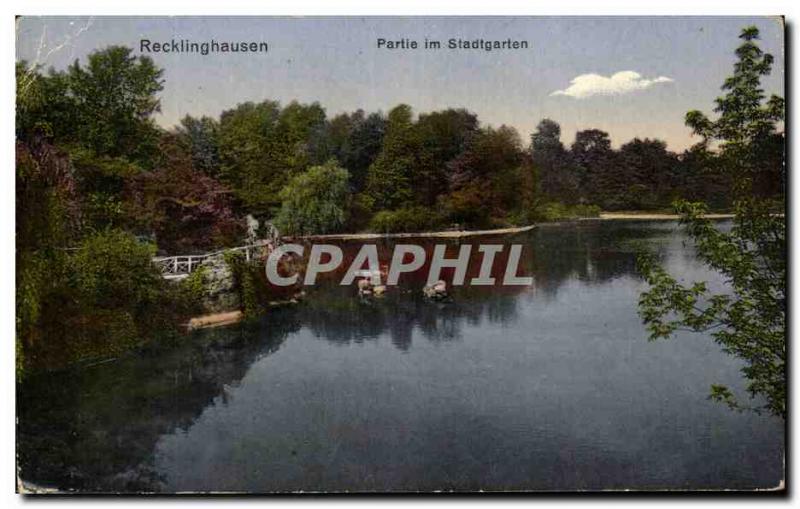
x: 556, y: 211
x: 355, y: 141
x: 315, y: 201
x: 46, y: 217
x: 489, y: 179
x: 749, y: 320
x: 262, y: 147
x: 558, y: 178
x: 412, y: 219
x: 115, y: 98
x: 44, y: 103
x: 390, y: 177
x: 193, y: 289
x: 201, y: 136
x: 443, y: 136
x: 112, y: 269
x: 252, y: 293
x: 99, y: 301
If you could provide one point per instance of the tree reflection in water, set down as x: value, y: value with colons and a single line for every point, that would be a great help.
x: 96, y: 428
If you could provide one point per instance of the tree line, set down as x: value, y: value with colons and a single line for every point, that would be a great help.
x: 101, y: 188
x: 188, y: 188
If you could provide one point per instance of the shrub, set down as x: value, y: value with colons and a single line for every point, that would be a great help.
x: 110, y: 299
x: 412, y: 219
x: 112, y: 269
x: 557, y: 211
x: 245, y: 275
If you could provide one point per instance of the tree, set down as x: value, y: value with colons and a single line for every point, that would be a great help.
x: 263, y: 146
x: 315, y: 201
x: 101, y: 114
x: 748, y: 321
x: 443, y: 136
x: 703, y: 178
x: 44, y: 104
x: 115, y: 98
x: 647, y: 174
x: 356, y: 141
x: 593, y: 158
x: 246, y: 137
x: 47, y: 218
x: 487, y: 180
x: 556, y: 174
x: 201, y: 136
x: 186, y: 210
x: 390, y: 177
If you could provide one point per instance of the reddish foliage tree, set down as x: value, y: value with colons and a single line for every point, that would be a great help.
x: 186, y: 210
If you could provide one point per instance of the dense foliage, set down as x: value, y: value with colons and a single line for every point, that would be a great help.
x: 314, y: 201
x: 93, y: 168
x: 749, y: 319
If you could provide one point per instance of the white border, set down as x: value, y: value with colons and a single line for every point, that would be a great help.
x: 338, y: 7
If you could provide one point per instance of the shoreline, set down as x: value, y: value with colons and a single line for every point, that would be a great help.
x: 442, y: 234
x: 214, y: 320
x: 221, y: 319
x: 648, y: 216
x: 455, y: 234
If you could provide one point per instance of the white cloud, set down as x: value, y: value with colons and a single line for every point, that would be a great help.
x: 623, y: 82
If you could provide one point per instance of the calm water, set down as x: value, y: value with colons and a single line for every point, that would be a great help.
x: 545, y: 388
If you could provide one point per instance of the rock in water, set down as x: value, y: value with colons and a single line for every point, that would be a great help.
x: 436, y: 291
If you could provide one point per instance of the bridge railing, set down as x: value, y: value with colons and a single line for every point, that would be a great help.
x: 183, y: 265
x: 178, y: 265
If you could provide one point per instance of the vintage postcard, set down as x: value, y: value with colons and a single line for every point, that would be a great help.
x: 262, y: 255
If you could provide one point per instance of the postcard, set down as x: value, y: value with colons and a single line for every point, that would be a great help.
x: 443, y: 254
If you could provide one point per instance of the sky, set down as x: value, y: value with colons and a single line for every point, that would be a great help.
x: 629, y: 76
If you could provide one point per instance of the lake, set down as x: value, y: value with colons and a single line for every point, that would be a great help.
x: 549, y: 387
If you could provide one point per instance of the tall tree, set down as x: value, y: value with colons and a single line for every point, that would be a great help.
x: 246, y: 135
x: 390, y: 177
x: 444, y: 135
x: 115, y: 98
x: 593, y: 158
x: 551, y: 159
x: 647, y: 174
x: 356, y: 141
x: 487, y: 180
x: 748, y: 320
x: 263, y: 145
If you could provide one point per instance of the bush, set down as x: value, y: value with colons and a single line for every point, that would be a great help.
x: 412, y: 219
x: 557, y: 211
x: 112, y: 269
x: 252, y: 295
x: 110, y: 299
x: 192, y: 290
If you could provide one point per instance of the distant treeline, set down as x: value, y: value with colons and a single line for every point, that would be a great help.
x: 189, y: 188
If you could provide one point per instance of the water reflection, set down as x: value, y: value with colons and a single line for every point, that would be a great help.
x: 591, y: 252
x: 549, y: 387
x: 95, y: 429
